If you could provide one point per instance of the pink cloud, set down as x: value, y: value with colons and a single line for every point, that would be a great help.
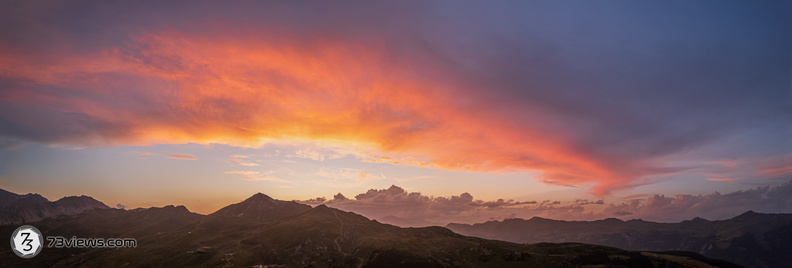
x: 249, y: 75
x: 397, y: 206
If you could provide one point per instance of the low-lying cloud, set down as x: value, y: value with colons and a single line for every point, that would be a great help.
x: 397, y: 206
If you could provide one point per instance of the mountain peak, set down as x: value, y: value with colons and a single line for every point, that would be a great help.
x: 538, y: 219
x: 610, y: 220
x: 261, y: 207
x: 7, y: 197
x: 83, y: 200
x: 322, y: 210
x: 169, y: 212
x: 747, y: 215
x: 179, y: 208
x: 258, y: 197
x: 699, y: 219
x: 17, y: 209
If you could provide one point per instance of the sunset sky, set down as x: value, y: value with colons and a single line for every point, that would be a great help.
x: 206, y: 103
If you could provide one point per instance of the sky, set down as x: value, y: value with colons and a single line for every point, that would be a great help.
x: 605, y: 109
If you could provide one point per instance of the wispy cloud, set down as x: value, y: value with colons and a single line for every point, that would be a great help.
x: 348, y: 174
x: 181, y: 156
x: 10, y: 144
x: 316, y: 155
x: 242, y: 160
x: 414, y: 178
x: 255, y: 175
x: 457, y: 87
x: 778, y: 171
x: 169, y: 156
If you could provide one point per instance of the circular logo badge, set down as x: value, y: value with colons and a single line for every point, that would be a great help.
x: 26, y: 241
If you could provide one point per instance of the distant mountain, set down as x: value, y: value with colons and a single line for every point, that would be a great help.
x: 751, y: 239
x: 264, y: 232
x: 262, y: 208
x: 18, y: 209
x: 406, y: 222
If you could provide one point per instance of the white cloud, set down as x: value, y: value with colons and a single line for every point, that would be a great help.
x: 714, y: 206
x: 241, y: 160
x: 395, y: 205
x: 316, y: 155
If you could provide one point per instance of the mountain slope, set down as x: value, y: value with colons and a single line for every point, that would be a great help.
x: 264, y: 231
x: 751, y: 239
x: 18, y: 209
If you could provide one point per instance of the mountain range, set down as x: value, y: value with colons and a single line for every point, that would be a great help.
x: 750, y: 239
x: 17, y: 209
x: 264, y: 232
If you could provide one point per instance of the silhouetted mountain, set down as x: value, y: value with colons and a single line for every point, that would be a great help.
x: 263, y: 231
x: 19, y: 209
x: 751, y: 239
x: 261, y: 207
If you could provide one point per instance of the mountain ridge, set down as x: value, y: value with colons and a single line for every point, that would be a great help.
x: 244, y: 234
x: 752, y: 239
x: 28, y: 208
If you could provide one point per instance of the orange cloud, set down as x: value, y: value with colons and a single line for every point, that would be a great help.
x: 182, y: 156
x: 175, y: 88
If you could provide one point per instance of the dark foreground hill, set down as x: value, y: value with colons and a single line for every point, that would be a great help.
x: 264, y: 232
x: 751, y: 239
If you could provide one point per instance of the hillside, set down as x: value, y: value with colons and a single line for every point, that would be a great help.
x: 751, y: 239
x: 264, y: 231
